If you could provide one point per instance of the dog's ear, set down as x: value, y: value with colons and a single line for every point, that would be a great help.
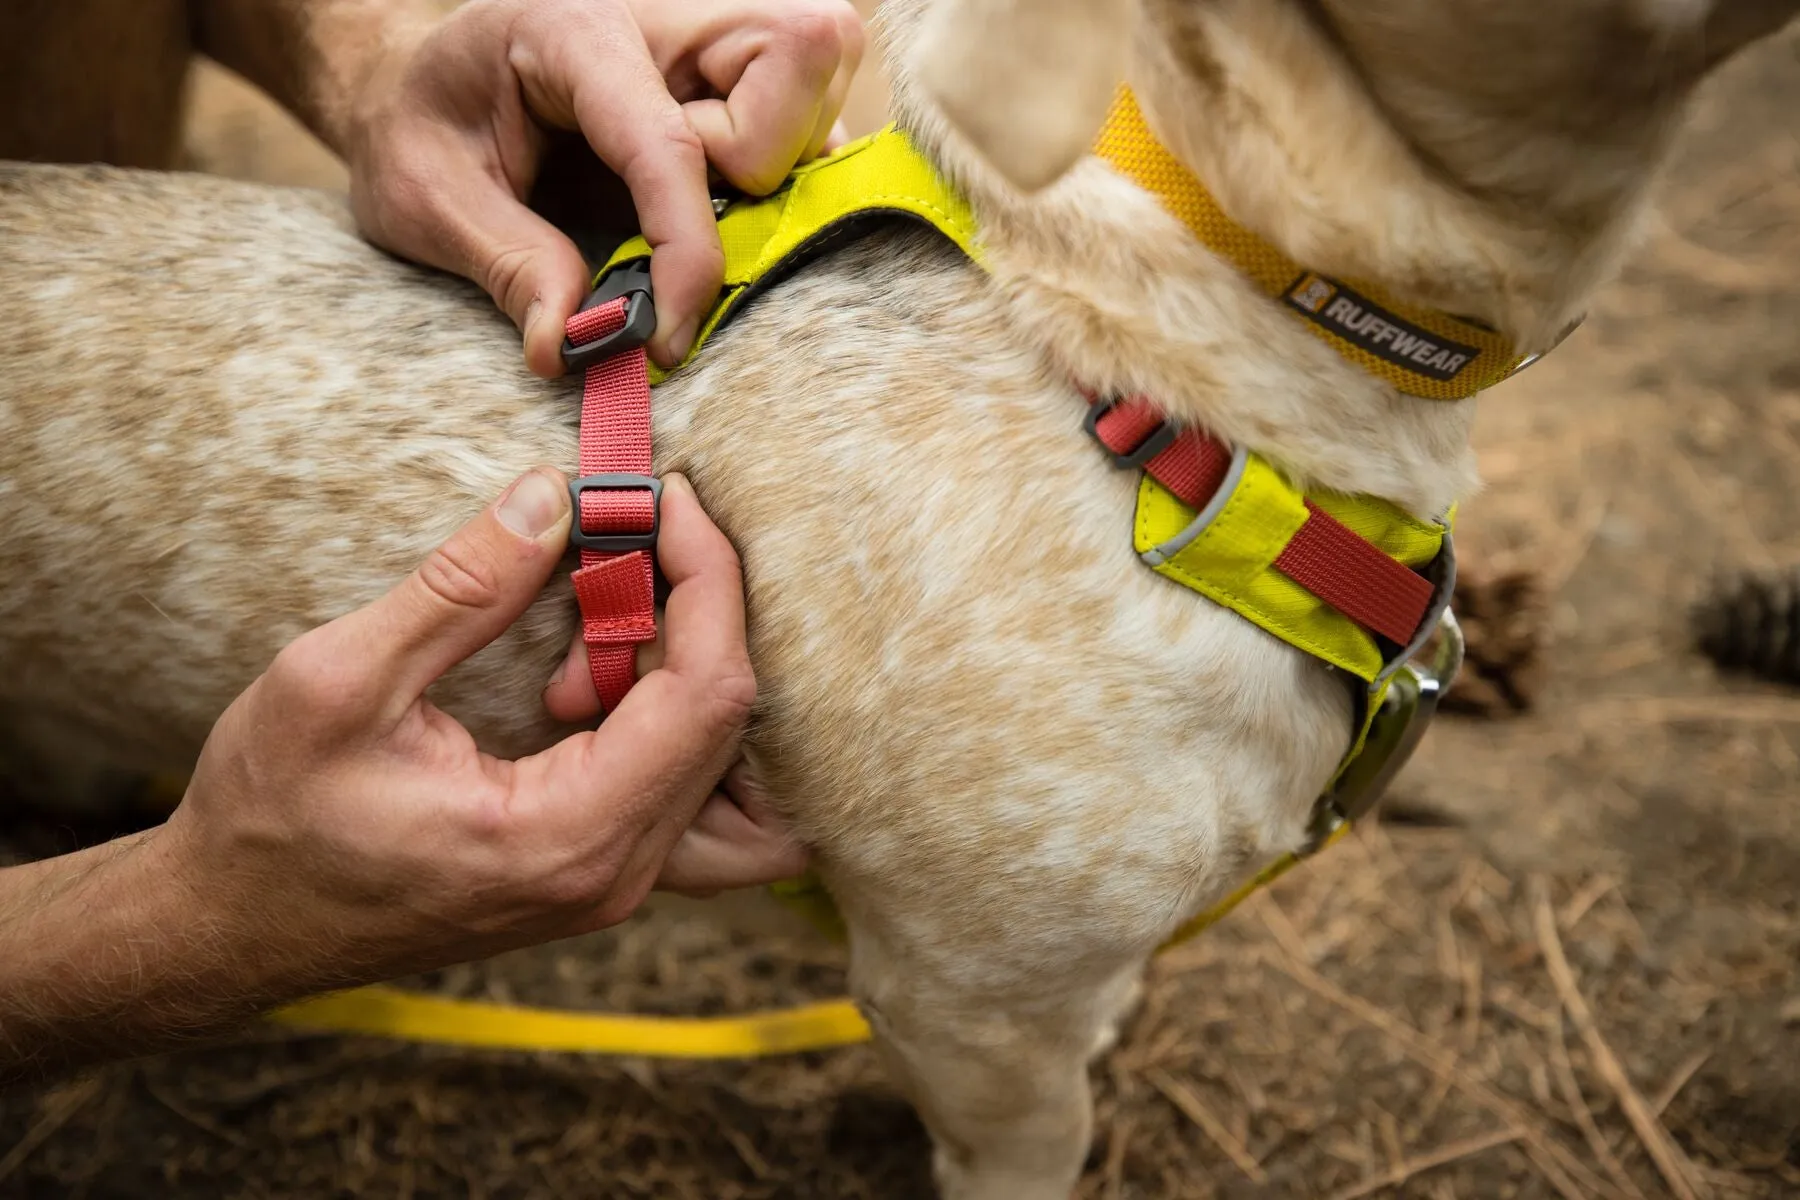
x: 1027, y: 82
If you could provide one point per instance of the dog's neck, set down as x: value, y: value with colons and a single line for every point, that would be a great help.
x: 1285, y: 136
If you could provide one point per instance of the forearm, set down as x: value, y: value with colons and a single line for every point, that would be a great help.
x: 313, y: 56
x: 107, y: 953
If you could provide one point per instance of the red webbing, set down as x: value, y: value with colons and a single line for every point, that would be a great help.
x: 1377, y: 592
x: 615, y: 591
x: 1352, y: 575
x: 1192, y: 467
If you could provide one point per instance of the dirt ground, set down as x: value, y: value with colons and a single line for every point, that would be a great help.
x: 1406, y: 1016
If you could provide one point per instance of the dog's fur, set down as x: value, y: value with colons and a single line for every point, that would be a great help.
x: 1021, y: 757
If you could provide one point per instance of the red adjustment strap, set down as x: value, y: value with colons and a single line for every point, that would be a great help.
x: 1380, y: 593
x: 616, y: 500
x: 1324, y: 556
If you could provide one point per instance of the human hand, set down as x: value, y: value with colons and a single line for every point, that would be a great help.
x: 450, y: 131
x: 339, y: 827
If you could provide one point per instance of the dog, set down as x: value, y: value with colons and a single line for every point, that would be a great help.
x: 1019, y: 757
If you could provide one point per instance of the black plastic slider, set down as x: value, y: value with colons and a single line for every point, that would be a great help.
x: 616, y: 543
x: 630, y: 279
x: 1160, y: 439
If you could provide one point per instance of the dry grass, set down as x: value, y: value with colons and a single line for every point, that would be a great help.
x: 1389, y: 1021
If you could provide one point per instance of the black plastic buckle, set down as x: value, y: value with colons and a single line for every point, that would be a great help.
x: 627, y: 279
x: 1160, y: 439
x: 616, y: 543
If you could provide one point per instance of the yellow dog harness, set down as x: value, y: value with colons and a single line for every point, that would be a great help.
x: 1350, y: 579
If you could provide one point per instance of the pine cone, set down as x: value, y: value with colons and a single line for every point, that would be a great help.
x: 1502, y: 618
x: 1751, y: 622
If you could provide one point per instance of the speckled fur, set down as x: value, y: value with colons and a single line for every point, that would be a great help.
x: 1021, y: 757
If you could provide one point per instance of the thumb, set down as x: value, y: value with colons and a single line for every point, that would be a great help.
x: 467, y: 222
x: 533, y: 272
x: 466, y: 593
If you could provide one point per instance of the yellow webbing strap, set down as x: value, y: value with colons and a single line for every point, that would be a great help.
x: 414, y: 1017
x: 1421, y: 351
x: 1205, y: 919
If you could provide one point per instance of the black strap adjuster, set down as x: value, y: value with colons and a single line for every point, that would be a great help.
x: 616, y: 543
x: 627, y: 279
x: 1160, y: 439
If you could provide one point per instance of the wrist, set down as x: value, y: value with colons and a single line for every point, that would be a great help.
x: 317, y: 58
x: 96, y: 957
x: 350, y: 95
x: 129, y: 948
x: 229, y: 925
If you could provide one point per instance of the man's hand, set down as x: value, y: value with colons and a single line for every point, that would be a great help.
x: 445, y: 124
x: 333, y: 791
x: 447, y: 136
x: 340, y: 828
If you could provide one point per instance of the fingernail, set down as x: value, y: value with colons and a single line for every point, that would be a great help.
x: 533, y: 505
x: 532, y: 314
x: 679, y: 482
x: 562, y: 668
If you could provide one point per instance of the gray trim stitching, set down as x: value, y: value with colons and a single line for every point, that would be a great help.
x: 1234, y: 475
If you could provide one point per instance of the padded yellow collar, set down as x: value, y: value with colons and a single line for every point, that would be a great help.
x: 1420, y: 351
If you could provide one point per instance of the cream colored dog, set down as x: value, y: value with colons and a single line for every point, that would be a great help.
x: 1021, y: 757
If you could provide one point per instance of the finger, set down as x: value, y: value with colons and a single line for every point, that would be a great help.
x: 446, y: 210
x: 533, y: 272
x: 464, y: 595
x: 776, y: 89
x: 703, y: 618
x: 589, y: 72
x: 622, y: 794
x: 706, y: 599
x: 756, y: 135
x: 830, y: 133
x: 706, y: 594
x: 729, y: 847
x: 838, y: 138
x: 659, y: 753
x: 571, y: 696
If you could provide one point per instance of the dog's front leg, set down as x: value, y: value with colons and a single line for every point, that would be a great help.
x: 995, y: 1062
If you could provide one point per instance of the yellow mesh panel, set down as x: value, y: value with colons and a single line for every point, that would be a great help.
x: 877, y: 173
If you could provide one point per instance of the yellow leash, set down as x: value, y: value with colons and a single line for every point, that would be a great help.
x: 411, y: 1017
x: 390, y: 1012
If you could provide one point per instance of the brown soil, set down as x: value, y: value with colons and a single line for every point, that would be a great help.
x: 1386, y: 1018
